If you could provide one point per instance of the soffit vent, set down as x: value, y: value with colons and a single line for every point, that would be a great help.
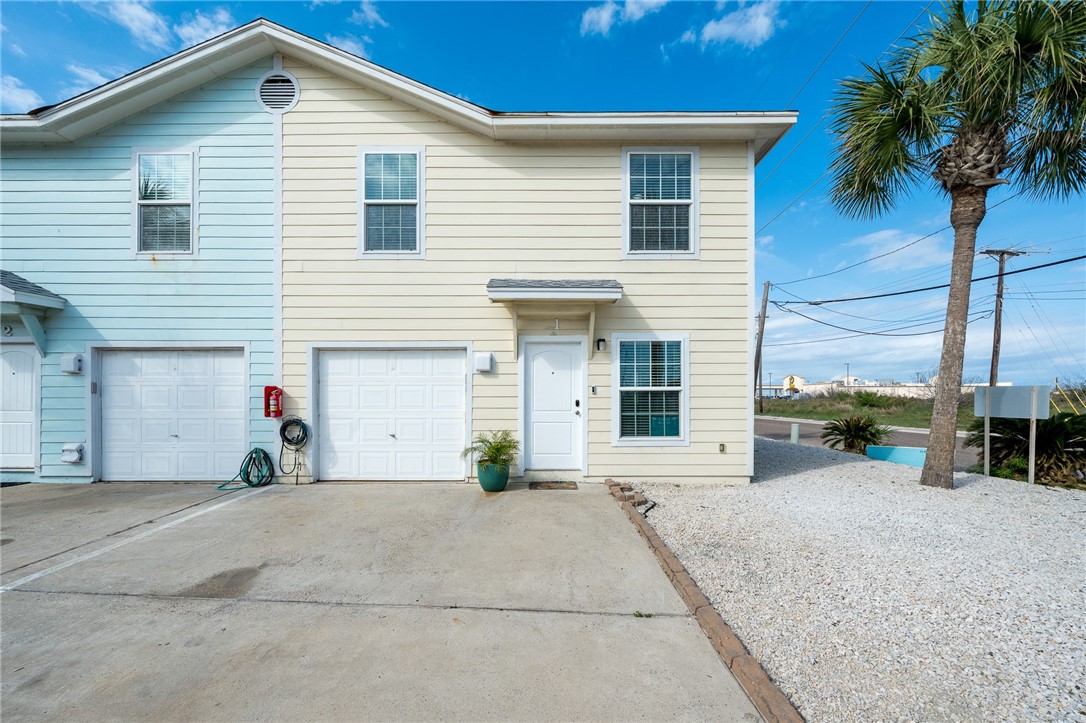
x: 278, y: 92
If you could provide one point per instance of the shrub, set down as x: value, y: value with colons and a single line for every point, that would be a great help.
x: 874, y: 400
x: 1061, y: 447
x: 854, y: 434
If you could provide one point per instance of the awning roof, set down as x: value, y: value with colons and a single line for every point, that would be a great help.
x: 28, y: 302
x: 554, y: 290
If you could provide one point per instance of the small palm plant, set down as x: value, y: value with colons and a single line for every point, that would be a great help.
x: 854, y: 434
x: 496, y: 453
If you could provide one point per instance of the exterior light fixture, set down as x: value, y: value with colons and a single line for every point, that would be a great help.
x: 601, y: 344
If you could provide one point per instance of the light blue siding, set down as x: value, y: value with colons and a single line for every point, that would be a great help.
x: 67, y: 225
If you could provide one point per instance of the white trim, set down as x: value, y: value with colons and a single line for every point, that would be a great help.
x: 695, y: 203
x: 312, y: 386
x: 549, y: 294
x: 684, y: 396
x: 751, y: 279
x: 36, y: 386
x: 93, y: 372
x: 522, y: 376
x: 100, y: 107
x: 277, y: 238
x: 277, y: 69
x: 193, y: 153
x: 420, y: 203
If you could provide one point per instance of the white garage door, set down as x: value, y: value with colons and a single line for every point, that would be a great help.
x: 392, y: 415
x: 173, y: 415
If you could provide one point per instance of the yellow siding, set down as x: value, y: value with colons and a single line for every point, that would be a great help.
x: 501, y: 210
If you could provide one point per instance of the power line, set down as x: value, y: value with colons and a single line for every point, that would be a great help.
x: 894, y: 251
x: 827, y: 56
x: 859, y: 334
x: 827, y: 113
x: 932, y: 288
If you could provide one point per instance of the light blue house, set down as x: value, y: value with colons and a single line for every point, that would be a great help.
x: 140, y: 241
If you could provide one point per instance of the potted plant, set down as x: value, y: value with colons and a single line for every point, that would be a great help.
x: 495, y: 453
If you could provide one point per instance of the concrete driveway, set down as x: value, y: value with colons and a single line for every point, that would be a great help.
x: 344, y: 602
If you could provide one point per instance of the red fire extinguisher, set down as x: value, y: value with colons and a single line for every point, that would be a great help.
x: 273, y: 402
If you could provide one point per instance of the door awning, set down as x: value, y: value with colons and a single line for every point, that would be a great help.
x: 29, y: 302
x: 553, y: 297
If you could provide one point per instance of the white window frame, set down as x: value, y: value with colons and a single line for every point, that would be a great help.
x: 695, y: 203
x: 420, y: 202
x: 683, y: 440
x: 194, y: 211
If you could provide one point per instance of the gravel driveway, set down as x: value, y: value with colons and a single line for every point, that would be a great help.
x: 869, y: 597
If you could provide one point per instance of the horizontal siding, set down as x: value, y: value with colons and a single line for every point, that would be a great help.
x: 511, y: 210
x: 68, y: 226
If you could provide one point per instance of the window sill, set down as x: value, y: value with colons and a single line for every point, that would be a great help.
x: 158, y: 256
x: 651, y: 442
x: 660, y: 256
x: 407, y: 255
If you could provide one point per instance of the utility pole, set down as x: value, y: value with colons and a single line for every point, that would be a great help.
x: 1003, y: 255
x: 758, y: 349
x: 846, y: 374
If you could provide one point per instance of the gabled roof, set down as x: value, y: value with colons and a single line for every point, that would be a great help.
x: 94, y: 110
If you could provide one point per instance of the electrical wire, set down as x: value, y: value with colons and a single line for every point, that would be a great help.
x: 827, y: 56
x: 854, y: 336
x: 932, y: 288
x: 888, y: 253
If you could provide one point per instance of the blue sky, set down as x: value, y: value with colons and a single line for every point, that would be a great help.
x: 658, y: 55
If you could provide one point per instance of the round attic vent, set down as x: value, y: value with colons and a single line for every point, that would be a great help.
x: 277, y: 92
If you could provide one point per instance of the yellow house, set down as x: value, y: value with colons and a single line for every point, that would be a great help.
x: 583, y: 279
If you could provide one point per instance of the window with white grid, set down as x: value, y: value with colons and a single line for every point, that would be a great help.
x: 660, y: 214
x: 390, y: 215
x: 164, y: 193
x: 651, y: 389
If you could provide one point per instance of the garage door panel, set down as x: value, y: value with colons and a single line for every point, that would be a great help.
x: 194, y: 398
x: 158, y: 398
x: 374, y: 432
x: 158, y: 465
x: 374, y: 398
x: 173, y: 415
x: 408, y: 407
x: 411, y: 397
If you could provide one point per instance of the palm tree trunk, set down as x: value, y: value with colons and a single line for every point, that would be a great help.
x: 967, y: 209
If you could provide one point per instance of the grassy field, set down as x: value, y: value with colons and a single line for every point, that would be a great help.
x: 895, y: 411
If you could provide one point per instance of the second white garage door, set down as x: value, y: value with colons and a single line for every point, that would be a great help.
x: 392, y: 415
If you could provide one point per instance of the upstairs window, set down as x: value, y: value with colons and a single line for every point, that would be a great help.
x: 391, y: 200
x: 661, y: 202
x: 164, y: 203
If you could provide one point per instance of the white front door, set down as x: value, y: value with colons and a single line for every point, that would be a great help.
x: 554, y: 404
x: 18, y: 406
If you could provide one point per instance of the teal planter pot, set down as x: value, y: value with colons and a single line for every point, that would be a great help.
x: 493, y: 477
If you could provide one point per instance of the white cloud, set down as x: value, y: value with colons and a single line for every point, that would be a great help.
x: 599, y: 20
x: 17, y: 50
x: 16, y: 97
x: 748, y: 26
x: 367, y: 15
x: 147, y: 27
x: 197, y: 27
x: 353, y: 45
x: 688, y: 37
x: 922, y: 254
x: 634, y: 10
x: 83, y: 79
x: 766, y: 240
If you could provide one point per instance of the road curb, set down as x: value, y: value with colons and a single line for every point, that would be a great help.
x: 766, y: 696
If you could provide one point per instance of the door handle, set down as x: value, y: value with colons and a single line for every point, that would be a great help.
x: 576, y: 402
x: 392, y: 435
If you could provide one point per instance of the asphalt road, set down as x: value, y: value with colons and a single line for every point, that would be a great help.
x: 810, y: 431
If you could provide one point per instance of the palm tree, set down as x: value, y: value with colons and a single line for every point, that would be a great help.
x: 980, y: 99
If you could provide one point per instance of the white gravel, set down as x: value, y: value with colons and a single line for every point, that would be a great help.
x: 870, y: 598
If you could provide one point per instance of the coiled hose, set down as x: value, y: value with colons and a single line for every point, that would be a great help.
x: 256, y: 470
x: 293, y: 434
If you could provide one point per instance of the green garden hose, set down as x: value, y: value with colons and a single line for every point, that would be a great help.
x: 256, y: 470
